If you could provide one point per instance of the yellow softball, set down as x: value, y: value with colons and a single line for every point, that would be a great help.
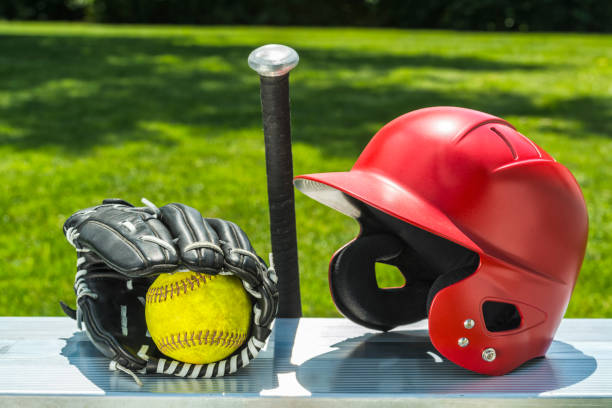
x: 197, y: 318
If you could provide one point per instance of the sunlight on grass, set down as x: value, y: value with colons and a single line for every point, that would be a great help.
x: 173, y: 114
x: 388, y: 276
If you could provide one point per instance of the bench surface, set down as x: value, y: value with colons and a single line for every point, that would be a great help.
x: 45, y: 361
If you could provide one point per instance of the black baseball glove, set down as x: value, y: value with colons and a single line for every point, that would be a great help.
x: 120, y: 251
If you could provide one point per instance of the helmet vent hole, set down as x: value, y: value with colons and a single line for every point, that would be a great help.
x: 500, y: 316
x: 388, y: 276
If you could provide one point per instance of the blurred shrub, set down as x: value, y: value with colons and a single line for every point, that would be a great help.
x: 272, y: 12
x: 525, y: 15
x: 43, y: 9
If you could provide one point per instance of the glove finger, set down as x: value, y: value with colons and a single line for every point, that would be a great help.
x: 238, y: 251
x: 117, y: 201
x: 197, y: 242
x: 160, y: 230
x: 126, y: 239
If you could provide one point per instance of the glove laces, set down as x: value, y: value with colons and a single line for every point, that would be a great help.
x: 80, y: 284
x: 113, y: 366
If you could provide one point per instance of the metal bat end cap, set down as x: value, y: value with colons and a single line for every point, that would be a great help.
x: 273, y: 60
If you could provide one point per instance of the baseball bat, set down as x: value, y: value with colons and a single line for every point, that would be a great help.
x: 273, y: 62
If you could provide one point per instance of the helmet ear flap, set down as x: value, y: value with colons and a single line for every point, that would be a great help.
x: 352, y: 280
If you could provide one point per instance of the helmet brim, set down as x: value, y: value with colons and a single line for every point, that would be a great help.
x: 375, y: 190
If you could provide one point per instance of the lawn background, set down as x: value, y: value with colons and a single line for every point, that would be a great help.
x: 172, y: 114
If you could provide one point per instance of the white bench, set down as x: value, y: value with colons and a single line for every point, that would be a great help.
x: 45, y: 361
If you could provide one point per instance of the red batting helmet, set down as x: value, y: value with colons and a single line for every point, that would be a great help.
x: 488, y: 230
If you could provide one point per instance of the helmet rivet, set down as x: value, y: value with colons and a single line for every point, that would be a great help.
x: 463, y: 341
x: 469, y: 323
x: 489, y: 354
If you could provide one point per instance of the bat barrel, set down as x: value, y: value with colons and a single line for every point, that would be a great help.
x: 273, y: 63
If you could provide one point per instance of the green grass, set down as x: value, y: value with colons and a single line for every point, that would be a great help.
x: 172, y: 114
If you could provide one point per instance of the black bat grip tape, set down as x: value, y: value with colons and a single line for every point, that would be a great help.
x: 279, y: 169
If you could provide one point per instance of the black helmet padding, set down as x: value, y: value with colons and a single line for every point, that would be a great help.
x: 357, y: 295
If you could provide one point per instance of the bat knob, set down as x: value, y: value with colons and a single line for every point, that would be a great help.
x: 273, y: 60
